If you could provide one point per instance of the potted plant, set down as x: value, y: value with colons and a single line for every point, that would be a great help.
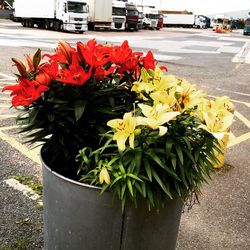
x: 112, y: 122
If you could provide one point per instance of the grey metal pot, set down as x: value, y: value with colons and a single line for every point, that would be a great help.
x: 77, y: 217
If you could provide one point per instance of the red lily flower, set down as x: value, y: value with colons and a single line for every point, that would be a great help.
x: 25, y: 92
x: 148, y: 62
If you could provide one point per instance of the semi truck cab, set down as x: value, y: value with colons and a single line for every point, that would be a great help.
x: 132, y: 17
x: 73, y: 14
x: 150, y: 20
x: 118, y: 15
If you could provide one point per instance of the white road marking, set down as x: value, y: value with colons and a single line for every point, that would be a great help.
x: 243, y: 56
x: 234, y: 92
x: 7, y: 76
x: 25, y: 190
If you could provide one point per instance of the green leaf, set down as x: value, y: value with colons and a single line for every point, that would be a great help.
x: 115, y: 180
x: 148, y: 169
x: 157, y: 178
x: 138, y: 187
x: 179, y: 152
x: 79, y: 108
x: 130, y: 188
x: 143, y: 187
x: 169, y: 144
x: 104, y: 187
x: 173, y: 161
x: 134, y: 177
x: 123, y: 190
x: 150, y: 195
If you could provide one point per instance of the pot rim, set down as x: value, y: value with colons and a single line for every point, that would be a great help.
x: 65, y: 178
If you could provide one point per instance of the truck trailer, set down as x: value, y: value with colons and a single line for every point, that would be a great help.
x: 59, y: 15
x: 184, y: 20
x: 100, y: 14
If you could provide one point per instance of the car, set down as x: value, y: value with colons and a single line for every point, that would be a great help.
x: 246, y: 30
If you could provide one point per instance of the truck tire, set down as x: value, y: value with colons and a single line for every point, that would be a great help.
x: 23, y: 23
x: 30, y: 24
x: 56, y: 25
x: 46, y: 25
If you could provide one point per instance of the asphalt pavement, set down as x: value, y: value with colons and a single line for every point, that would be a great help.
x: 215, y: 62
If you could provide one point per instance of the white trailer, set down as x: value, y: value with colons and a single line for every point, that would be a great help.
x: 68, y: 15
x: 100, y: 14
x: 118, y: 15
x: 184, y: 20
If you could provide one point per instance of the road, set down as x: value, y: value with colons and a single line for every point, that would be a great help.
x: 217, y: 63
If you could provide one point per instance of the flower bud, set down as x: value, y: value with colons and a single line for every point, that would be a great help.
x: 65, y: 48
x: 30, y: 63
x: 137, y: 131
x: 104, y: 176
x: 37, y: 58
x: 20, y: 66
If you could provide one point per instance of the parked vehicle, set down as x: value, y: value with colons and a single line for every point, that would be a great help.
x: 132, y: 16
x: 160, y: 22
x: 68, y: 15
x: 151, y: 16
x: 184, y: 20
x: 140, y: 17
x: 222, y: 23
x: 100, y: 14
x: 246, y: 30
x: 118, y: 15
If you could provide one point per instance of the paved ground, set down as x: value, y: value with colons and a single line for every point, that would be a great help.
x: 218, y: 63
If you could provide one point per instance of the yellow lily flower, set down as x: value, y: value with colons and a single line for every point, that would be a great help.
x: 104, y: 176
x: 125, y: 128
x: 189, y: 95
x: 156, y: 116
x: 224, y: 103
x: 164, y: 97
x: 217, y: 125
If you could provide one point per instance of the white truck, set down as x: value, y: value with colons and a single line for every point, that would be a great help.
x: 100, y: 14
x: 59, y: 15
x: 184, y: 20
x: 150, y: 17
x: 118, y: 15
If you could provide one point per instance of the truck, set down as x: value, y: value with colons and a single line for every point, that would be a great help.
x: 151, y: 17
x: 160, y: 21
x: 118, y: 15
x: 100, y: 14
x: 58, y: 15
x: 184, y: 20
x: 132, y: 16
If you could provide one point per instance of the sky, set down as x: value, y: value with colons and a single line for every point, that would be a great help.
x: 200, y: 6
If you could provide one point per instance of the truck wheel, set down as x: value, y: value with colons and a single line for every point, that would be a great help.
x: 23, y: 23
x: 46, y: 25
x: 30, y: 24
x: 56, y: 26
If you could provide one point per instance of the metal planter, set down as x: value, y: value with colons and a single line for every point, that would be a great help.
x: 77, y: 217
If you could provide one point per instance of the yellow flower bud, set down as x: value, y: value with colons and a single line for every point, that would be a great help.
x: 104, y: 176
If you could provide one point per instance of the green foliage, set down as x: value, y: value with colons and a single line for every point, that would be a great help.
x: 67, y: 117
x: 158, y: 168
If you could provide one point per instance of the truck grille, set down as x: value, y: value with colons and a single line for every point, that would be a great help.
x: 153, y: 23
x: 118, y: 25
x: 78, y: 19
x: 118, y: 20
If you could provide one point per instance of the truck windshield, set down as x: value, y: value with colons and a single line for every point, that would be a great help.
x: 118, y: 11
x: 132, y: 13
x: 77, y: 7
x: 153, y: 16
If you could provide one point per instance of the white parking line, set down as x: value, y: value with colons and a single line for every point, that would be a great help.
x: 7, y: 76
x: 27, y: 191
